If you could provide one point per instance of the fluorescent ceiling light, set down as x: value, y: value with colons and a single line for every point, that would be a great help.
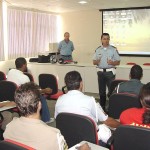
x: 82, y: 2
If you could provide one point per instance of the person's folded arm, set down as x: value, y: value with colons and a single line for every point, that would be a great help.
x: 111, y: 122
x: 12, y: 103
x: 114, y: 63
x: 102, y: 116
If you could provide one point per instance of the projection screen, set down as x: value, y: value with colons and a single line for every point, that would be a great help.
x: 129, y: 30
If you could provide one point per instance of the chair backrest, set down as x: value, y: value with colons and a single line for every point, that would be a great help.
x: 76, y: 128
x: 131, y: 63
x: 48, y: 80
x: 114, y: 84
x: 1, y: 131
x: 30, y: 76
x: 131, y: 138
x: 7, y: 90
x: 119, y: 102
x: 146, y: 64
x: 2, y: 76
x: 64, y: 89
x: 13, y: 145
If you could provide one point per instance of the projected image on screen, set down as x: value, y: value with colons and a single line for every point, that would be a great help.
x: 129, y: 30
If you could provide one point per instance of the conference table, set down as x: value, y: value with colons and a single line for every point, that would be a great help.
x: 87, y: 71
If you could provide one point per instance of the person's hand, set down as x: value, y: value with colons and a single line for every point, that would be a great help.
x: 84, y: 147
x: 98, y: 61
x: 110, y: 62
x: 47, y: 91
x: 7, y: 104
x: 99, y: 58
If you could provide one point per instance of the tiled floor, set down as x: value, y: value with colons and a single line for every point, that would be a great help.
x: 51, y: 105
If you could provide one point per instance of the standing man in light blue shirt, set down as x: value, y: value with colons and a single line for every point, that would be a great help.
x: 66, y: 47
x: 106, y: 57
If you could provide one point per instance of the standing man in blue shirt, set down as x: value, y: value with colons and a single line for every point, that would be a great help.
x: 66, y: 47
x: 106, y: 57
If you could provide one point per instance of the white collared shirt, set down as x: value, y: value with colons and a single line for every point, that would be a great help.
x: 17, y: 76
x: 105, y: 54
x: 76, y: 102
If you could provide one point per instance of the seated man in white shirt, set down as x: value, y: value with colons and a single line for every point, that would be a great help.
x: 17, y: 76
x: 76, y: 102
x: 29, y: 129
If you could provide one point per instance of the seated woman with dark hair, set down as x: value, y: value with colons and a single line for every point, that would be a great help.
x: 139, y: 116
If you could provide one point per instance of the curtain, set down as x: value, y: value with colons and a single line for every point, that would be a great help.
x: 1, y: 35
x: 30, y: 32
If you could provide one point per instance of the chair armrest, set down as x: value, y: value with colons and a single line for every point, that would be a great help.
x: 110, y: 140
x: 63, y: 89
x: 1, y: 118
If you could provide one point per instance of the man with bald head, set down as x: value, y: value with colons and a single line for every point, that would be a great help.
x: 66, y: 47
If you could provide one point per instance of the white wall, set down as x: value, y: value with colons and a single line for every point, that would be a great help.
x: 5, y: 65
x: 137, y: 60
x: 85, y: 28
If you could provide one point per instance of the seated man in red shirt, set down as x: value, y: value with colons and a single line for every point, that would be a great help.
x: 139, y: 116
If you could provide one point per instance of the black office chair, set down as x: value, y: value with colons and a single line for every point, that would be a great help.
x: 114, y: 84
x: 29, y: 76
x: 131, y: 138
x: 49, y: 80
x: 13, y: 145
x: 64, y: 89
x: 7, y: 90
x: 1, y: 131
x: 2, y: 76
x: 119, y: 102
x: 76, y: 128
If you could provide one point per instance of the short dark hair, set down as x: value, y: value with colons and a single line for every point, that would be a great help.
x: 145, y: 98
x: 105, y: 34
x: 136, y: 72
x: 66, y: 33
x: 27, y: 98
x: 20, y: 61
x: 72, y: 80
